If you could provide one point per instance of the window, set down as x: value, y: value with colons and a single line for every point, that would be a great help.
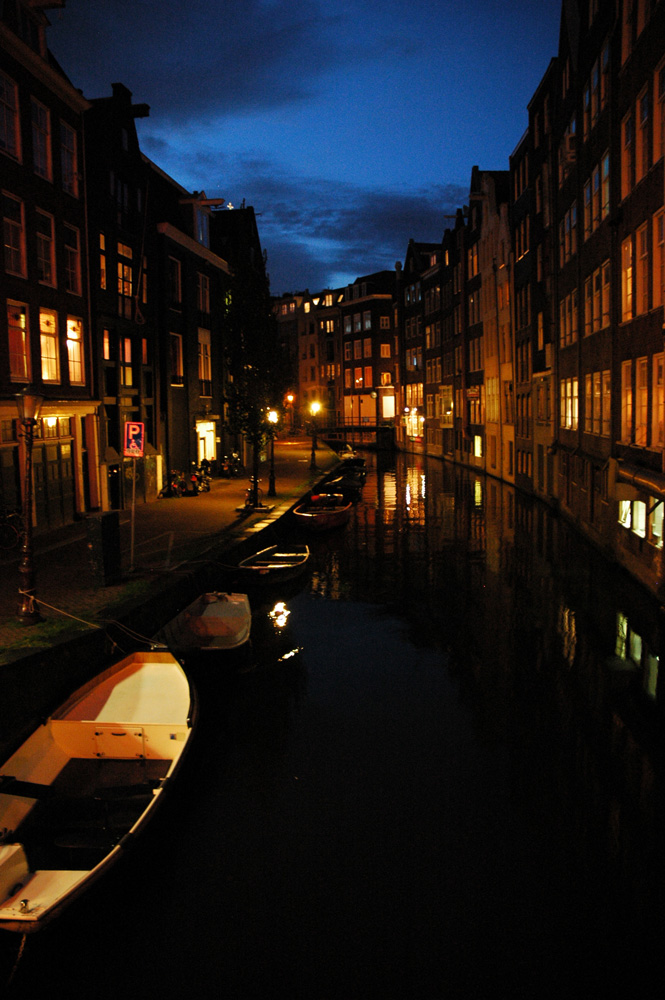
x: 606, y: 411
x: 569, y: 404
x: 205, y: 367
x: 357, y: 349
x: 17, y: 333
x: 385, y: 323
x: 626, y: 401
x: 385, y: 350
x: 45, y: 248
x: 126, y: 371
x: 605, y: 185
x: 658, y: 403
x: 357, y: 322
x: 642, y: 136
x: 48, y: 338
x: 367, y: 347
x: 72, y: 260
x: 174, y: 281
x: 177, y: 370
x: 369, y: 378
x: 14, y: 234
x: 125, y: 254
x: 203, y: 293
x: 102, y: 261
x: 659, y: 259
x: 659, y: 113
x: 41, y: 141
x: 75, y: 350
x: 358, y: 378
x: 605, y: 296
x: 106, y: 344
x: 627, y: 279
x: 626, y: 155
x: 642, y: 271
x: 386, y: 378
x: 367, y: 320
x: 69, y: 159
x: 10, y: 136
x: 641, y: 401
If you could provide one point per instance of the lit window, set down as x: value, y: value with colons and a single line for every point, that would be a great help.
x: 627, y: 279
x: 17, y: 331
x: 75, y: 350
x: 48, y: 337
x: 126, y: 371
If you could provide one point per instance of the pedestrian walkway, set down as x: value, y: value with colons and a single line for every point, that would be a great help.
x: 170, y: 537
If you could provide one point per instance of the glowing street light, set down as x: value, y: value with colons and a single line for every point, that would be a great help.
x: 314, y: 409
x: 273, y: 417
x: 29, y: 404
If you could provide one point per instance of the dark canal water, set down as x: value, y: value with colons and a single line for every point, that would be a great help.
x: 439, y: 777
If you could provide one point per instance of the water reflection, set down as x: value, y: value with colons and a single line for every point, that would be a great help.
x: 556, y: 651
x: 438, y: 777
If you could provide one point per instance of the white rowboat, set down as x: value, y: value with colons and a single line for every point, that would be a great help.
x: 85, y: 781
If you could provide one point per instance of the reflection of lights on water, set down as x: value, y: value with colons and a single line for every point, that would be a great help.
x: 279, y: 614
x: 290, y: 654
x: 478, y: 493
x: 422, y: 486
x: 408, y: 495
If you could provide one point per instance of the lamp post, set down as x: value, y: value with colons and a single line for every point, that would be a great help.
x: 314, y: 409
x: 273, y: 417
x: 29, y: 404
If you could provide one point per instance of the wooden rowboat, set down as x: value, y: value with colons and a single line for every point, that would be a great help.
x: 76, y: 792
x: 274, y: 564
x: 215, y: 622
x: 323, y: 511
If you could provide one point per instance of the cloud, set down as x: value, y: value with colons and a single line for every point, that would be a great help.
x: 203, y: 58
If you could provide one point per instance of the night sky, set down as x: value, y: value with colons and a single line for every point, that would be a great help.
x: 351, y: 126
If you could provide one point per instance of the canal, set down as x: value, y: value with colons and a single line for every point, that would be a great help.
x: 438, y: 776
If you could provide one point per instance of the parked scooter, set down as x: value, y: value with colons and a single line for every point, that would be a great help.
x: 200, y: 480
x: 175, y: 485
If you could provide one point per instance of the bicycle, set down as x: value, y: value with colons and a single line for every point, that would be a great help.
x: 11, y: 529
x: 253, y: 494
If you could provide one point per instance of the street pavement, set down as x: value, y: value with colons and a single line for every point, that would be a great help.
x: 171, y: 536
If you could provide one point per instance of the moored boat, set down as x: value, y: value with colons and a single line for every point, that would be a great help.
x: 323, y: 511
x: 275, y: 563
x: 214, y: 623
x: 80, y: 787
x: 347, y: 484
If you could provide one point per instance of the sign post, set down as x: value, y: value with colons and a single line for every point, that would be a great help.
x: 134, y: 438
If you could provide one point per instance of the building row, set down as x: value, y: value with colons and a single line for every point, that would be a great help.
x: 115, y: 286
x: 528, y: 342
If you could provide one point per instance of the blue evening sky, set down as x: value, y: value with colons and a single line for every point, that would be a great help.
x: 351, y: 126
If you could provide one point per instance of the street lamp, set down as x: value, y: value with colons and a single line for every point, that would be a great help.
x: 290, y: 399
x: 273, y: 417
x: 29, y: 404
x: 314, y: 409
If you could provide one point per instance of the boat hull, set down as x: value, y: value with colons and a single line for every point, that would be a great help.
x: 323, y: 512
x: 274, y: 564
x: 216, y: 622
